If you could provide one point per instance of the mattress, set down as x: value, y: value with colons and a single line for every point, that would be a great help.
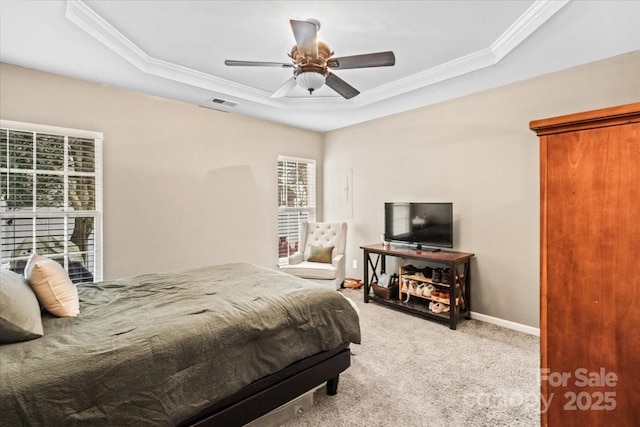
x: 156, y: 349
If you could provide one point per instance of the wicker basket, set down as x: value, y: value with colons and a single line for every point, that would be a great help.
x: 386, y: 293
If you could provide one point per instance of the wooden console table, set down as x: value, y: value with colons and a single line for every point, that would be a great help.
x: 459, y: 286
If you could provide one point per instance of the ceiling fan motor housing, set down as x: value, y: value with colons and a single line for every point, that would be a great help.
x: 324, y: 53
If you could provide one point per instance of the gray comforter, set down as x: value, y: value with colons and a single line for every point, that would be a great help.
x: 156, y: 349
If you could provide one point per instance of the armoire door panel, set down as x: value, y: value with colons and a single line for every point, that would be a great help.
x: 592, y: 301
x: 593, y: 220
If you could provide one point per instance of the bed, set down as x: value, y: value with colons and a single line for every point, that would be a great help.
x: 220, y: 345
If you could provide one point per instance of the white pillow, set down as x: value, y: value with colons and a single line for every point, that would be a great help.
x: 52, y: 286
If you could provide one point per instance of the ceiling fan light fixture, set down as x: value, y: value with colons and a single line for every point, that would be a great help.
x: 310, y: 80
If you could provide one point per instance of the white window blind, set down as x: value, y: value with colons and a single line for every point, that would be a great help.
x: 51, y: 198
x: 296, y: 202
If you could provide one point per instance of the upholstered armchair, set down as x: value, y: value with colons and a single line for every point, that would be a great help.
x: 320, y: 254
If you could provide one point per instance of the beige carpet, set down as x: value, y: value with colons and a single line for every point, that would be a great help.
x: 409, y: 371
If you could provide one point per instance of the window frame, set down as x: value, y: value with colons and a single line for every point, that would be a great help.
x: 310, y: 209
x: 66, y: 211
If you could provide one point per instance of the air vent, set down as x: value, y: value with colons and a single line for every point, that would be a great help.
x: 224, y: 102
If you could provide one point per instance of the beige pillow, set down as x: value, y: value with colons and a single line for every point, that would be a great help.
x: 52, y: 286
x: 320, y: 254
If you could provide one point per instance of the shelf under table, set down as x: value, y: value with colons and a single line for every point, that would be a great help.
x: 417, y: 308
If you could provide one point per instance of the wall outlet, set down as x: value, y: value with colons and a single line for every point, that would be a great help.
x: 355, y: 263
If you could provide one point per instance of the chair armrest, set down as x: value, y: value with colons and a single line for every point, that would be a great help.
x: 338, y: 261
x: 296, y: 258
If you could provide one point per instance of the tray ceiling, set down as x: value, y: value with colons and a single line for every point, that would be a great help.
x: 177, y: 49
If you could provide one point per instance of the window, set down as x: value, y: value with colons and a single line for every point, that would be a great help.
x: 296, y: 201
x: 51, y: 198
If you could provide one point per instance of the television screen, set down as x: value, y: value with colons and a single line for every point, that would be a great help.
x: 429, y: 224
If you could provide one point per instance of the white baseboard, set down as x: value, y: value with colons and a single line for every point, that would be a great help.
x: 506, y: 323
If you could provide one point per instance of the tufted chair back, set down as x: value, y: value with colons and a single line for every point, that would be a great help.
x: 323, y: 234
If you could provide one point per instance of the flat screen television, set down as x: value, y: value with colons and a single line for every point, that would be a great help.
x: 421, y: 224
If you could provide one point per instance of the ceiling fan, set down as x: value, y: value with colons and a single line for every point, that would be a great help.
x: 312, y: 62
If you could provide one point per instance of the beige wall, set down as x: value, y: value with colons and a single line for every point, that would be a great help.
x: 183, y: 186
x: 478, y: 153
x: 168, y: 168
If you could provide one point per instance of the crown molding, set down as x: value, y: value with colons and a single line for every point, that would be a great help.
x: 533, y: 18
x: 93, y: 24
x: 536, y: 15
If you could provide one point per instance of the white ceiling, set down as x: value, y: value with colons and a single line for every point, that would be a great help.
x: 443, y: 49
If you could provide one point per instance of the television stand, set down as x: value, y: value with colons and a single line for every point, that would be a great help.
x: 458, y: 286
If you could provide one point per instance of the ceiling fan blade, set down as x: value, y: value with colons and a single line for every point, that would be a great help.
x: 306, y: 35
x: 380, y: 59
x: 234, y: 63
x: 285, y: 88
x: 343, y: 88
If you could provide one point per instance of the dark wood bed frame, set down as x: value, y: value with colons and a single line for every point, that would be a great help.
x: 270, y: 392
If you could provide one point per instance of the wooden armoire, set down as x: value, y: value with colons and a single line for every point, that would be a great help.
x: 590, y: 267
